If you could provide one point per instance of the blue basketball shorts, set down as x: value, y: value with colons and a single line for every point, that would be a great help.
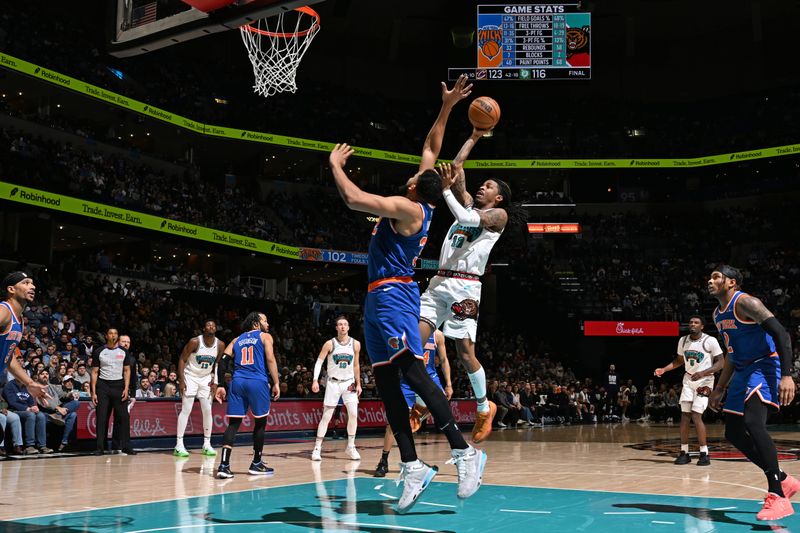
x: 248, y: 393
x: 760, y: 377
x: 391, y: 322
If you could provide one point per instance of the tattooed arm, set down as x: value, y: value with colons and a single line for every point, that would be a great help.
x: 459, y: 185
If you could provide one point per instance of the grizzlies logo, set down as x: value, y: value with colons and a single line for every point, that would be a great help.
x: 465, y: 309
x: 577, y: 41
x: 703, y: 391
x: 720, y: 449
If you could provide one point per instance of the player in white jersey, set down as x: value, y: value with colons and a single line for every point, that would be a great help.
x: 701, y: 357
x: 343, y: 381
x: 197, y: 374
x: 454, y: 293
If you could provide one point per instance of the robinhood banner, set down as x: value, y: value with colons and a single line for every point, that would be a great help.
x: 76, y: 206
x: 110, y: 97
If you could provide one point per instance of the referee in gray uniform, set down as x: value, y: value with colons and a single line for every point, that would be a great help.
x: 111, y: 373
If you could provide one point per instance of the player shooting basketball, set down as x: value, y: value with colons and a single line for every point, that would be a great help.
x: 454, y: 294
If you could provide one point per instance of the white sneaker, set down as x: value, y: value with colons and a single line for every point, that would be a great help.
x: 416, y: 476
x: 352, y: 453
x: 501, y: 425
x: 316, y: 455
x: 469, y: 464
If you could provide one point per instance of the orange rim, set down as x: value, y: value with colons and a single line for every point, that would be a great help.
x: 305, y: 9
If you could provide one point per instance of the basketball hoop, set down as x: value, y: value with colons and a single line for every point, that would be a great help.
x: 274, y: 52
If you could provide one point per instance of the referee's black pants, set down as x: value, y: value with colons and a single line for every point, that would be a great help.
x: 109, y: 397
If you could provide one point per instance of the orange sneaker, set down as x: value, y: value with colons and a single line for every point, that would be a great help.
x: 483, y: 424
x: 790, y: 486
x: 775, y: 508
x: 416, y: 416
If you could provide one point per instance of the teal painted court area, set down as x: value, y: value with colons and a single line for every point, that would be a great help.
x: 366, y: 505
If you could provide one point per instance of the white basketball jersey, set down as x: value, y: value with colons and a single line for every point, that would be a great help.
x: 340, y: 360
x: 467, y: 249
x: 202, y: 361
x: 698, y: 354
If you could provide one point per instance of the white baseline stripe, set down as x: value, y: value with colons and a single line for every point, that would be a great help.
x: 437, y: 504
x: 522, y: 511
x: 660, y: 522
x: 631, y: 512
x: 258, y: 523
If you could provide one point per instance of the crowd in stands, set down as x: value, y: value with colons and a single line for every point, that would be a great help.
x: 629, y: 269
x: 64, y: 327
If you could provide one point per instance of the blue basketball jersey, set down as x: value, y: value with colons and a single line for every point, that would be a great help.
x: 746, y: 341
x: 248, y: 357
x: 393, y: 255
x: 9, y: 340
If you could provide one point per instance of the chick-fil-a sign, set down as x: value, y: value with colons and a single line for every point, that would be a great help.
x: 624, y: 328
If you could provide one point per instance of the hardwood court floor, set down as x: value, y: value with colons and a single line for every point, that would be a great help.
x: 598, y: 459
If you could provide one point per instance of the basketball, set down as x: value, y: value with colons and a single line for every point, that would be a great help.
x: 490, y: 49
x: 484, y: 113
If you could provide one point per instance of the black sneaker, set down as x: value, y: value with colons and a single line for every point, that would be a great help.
x: 683, y: 459
x: 98, y: 452
x: 128, y: 451
x: 260, y: 469
x: 382, y: 469
x: 224, y: 472
x: 703, y: 460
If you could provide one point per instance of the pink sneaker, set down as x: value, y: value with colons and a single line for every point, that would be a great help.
x: 790, y: 486
x: 775, y: 508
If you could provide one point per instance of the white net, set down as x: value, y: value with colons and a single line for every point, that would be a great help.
x: 276, y: 45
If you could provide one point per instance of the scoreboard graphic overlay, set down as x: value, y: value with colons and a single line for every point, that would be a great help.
x: 531, y: 42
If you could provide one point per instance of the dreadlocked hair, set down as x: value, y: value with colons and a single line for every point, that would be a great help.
x: 515, y: 234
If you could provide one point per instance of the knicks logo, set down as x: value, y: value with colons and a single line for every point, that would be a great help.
x: 490, y: 40
x: 394, y: 343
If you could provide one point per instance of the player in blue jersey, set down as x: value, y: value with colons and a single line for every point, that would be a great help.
x: 417, y: 409
x: 391, y: 309
x: 252, y: 357
x: 757, y: 378
x: 19, y: 292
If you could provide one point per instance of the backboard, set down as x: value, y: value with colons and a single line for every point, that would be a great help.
x: 141, y: 26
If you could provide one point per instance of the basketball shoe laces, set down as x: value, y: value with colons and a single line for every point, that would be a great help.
x: 402, y: 477
x: 461, y: 466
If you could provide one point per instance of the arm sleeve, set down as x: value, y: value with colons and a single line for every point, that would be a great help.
x: 783, y: 343
x: 466, y: 217
x: 221, y: 369
x: 317, y: 369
